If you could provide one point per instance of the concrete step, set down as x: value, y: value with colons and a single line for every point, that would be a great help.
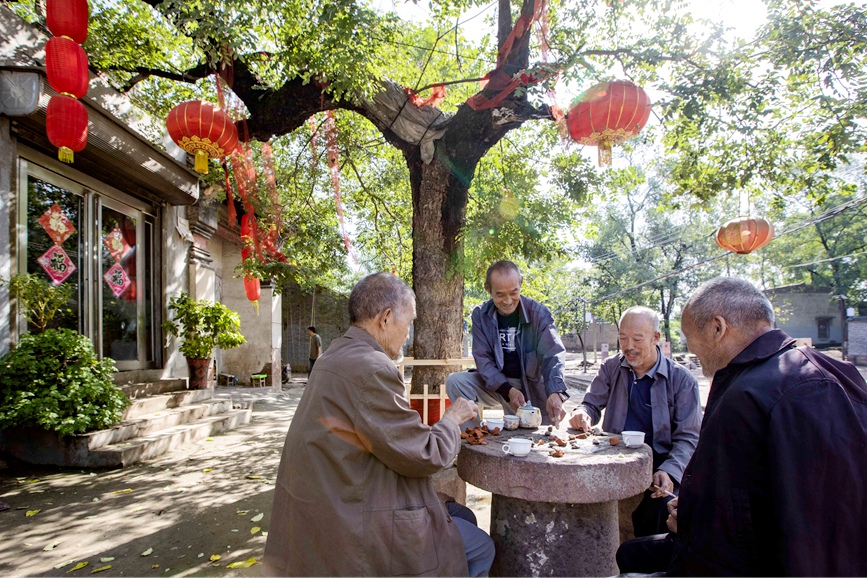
x: 142, y: 406
x: 156, y: 444
x: 150, y: 423
x: 137, y: 389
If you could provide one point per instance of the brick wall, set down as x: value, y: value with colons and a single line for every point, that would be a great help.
x: 326, y: 310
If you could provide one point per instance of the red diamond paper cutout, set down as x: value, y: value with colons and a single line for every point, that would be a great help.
x: 57, y: 264
x: 56, y: 224
x: 116, y: 244
x: 117, y: 279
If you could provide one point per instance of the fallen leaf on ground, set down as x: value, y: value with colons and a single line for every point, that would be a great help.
x: 102, y: 569
x: 245, y: 564
x: 78, y: 566
x: 31, y: 513
x: 242, y: 512
x: 255, y: 529
x: 209, y: 440
x: 207, y: 470
x: 32, y: 481
x: 253, y: 477
x: 257, y: 517
x: 62, y: 564
x: 51, y: 546
x: 124, y: 491
x: 215, y: 557
x: 106, y: 559
x: 155, y: 566
x: 148, y: 552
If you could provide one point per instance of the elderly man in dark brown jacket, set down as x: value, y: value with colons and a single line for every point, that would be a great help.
x: 353, y: 494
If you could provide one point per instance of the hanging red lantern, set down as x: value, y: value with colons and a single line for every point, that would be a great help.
x: 745, y: 235
x: 203, y: 130
x: 66, y: 67
x: 253, y: 289
x: 67, y: 18
x: 66, y: 125
x: 608, y: 114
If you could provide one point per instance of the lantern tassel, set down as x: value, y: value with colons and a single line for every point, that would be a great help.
x: 256, y: 307
x: 604, y: 154
x: 65, y: 154
x: 201, y: 165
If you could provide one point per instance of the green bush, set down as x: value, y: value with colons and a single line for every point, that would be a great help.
x: 54, y: 381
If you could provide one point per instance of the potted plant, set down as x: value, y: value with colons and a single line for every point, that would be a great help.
x: 201, y: 326
x: 52, y: 379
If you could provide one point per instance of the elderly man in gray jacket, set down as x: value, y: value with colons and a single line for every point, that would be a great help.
x: 353, y: 494
x: 642, y: 390
x: 518, y: 353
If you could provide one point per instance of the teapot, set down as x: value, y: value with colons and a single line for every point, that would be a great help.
x: 531, y: 417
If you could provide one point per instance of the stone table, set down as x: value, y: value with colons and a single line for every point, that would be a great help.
x: 556, y: 516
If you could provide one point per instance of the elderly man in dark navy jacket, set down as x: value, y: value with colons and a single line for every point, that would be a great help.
x: 778, y: 483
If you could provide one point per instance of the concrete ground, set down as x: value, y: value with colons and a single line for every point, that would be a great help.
x: 174, y: 515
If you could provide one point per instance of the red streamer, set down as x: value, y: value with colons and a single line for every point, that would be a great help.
x: 437, y: 96
x: 334, y: 166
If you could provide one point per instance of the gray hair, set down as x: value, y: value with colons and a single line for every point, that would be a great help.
x: 501, y: 266
x: 642, y: 311
x: 376, y: 293
x: 735, y: 300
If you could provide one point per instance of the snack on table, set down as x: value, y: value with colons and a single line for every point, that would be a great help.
x: 614, y: 441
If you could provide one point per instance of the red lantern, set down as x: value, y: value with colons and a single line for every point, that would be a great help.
x: 253, y: 289
x: 66, y: 125
x: 203, y: 130
x: 608, y: 114
x: 66, y: 67
x: 745, y: 235
x: 67, y: 18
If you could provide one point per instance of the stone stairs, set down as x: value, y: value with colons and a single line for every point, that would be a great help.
x: 163, y: 415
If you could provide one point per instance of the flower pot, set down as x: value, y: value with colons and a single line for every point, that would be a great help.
x: 433, y: 409
x: 199, y: 369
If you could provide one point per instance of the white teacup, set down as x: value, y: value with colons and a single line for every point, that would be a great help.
x: 632, y: 438
x: 494, y: 424
x: 511, y: 421
x: 518, y: 447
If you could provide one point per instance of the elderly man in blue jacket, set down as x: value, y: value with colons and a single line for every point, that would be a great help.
x: 518, y: 353
x: 642, y: 390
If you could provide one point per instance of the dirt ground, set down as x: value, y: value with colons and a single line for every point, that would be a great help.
x: 173, y: 515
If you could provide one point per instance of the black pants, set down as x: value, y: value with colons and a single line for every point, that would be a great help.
x: 310, y: 368
x: 645, y: 555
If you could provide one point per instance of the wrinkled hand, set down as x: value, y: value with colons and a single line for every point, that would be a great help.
x: 461, y: 410
x: 663, y: 482
x: 580, y: 420
x: 554, y: 405
x: 516, y: 398
x: 671, y: 522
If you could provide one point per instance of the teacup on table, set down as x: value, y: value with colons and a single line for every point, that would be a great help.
x: 518, y: 447
x: 632, y: 438
x: 494, y: 424
x: 511, y: 421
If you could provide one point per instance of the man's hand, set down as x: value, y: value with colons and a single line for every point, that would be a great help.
x: 580, y: 420
x: 671, y: 522
x: 516, y: 398
x: 460, y: 411
x: 663, y: 482
x: 554, y: 405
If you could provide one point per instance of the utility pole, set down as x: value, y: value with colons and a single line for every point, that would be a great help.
x: 844, y: 329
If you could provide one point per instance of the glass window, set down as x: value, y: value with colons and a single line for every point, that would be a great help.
x: 119, y: 285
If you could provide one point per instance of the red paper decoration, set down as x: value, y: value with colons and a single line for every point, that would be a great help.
x: 203, y: 130
x: 67, y: 18
x: 745, y: 235
x: 66, y: 125
x: 608, y: 114
x: 253, y: 288
x: 66, y: 67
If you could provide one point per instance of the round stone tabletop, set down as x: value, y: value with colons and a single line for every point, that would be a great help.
x: 590, y: 471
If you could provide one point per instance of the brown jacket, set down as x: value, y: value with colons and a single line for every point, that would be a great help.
x: 353, y: 494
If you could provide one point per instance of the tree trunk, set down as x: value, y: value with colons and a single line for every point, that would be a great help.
x: 439, y: 207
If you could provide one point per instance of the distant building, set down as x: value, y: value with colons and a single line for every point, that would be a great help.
x: 807, y: 311
x: 858, y: 340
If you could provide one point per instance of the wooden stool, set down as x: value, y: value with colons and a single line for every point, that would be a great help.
x: 258, y: 380
x: 227, y: 379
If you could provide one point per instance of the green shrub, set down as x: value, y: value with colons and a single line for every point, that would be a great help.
x: 54, y: 381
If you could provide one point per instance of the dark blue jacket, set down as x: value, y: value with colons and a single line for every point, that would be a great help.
x: 542, y: 353
x: 778, y: 483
